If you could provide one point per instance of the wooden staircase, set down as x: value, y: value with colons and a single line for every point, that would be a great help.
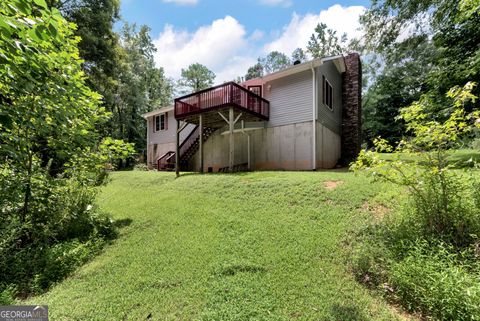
x: 188, y: 148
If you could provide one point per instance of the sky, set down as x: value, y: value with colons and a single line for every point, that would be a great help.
x: 229, y: 36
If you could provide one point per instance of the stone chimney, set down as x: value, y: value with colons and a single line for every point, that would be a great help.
x: 352, y: 108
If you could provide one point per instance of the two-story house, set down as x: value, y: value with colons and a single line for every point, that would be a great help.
x: 304, y: 117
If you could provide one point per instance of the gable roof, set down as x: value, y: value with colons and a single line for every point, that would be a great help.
x: 160, y: 110
x: 337, y: 60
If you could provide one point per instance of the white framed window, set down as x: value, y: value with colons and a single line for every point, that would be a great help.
x: 160, y: 122
x: 327, y: 93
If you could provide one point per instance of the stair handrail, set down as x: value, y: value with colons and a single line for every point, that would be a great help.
x: 190, y: 139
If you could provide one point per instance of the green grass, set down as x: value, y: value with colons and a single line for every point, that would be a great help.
x: 255, y: 246
x: 458, y: 158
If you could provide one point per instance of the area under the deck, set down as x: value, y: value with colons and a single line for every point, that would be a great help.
x: 212, y: 118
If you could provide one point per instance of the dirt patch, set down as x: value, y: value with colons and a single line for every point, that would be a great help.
x: 331, y: 185
x: 402, y: 314
x: 378, y: 210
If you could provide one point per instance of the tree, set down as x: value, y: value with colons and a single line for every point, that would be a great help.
x: 415, y: 59
x: 454, y: 34
x: 141, y: 86
x: 98, y: 46
x: 324, y: 42
x: 299, y: 55
x: 274, y: 61
x: 400, y: 83
x: 254, y: 71
x: 52, y: 157
x: 196, y: 77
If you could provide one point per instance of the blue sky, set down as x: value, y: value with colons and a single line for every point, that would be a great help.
x: 228, y: 36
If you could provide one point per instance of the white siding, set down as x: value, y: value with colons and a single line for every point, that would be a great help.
x: 164, y: 139
x: 290, y: 99
x: 332, y: 119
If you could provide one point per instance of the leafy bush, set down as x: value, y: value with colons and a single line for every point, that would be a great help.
x: 425, y: 257
x: 51, y: 157
x: 476, y: 144
x: 140, y: 167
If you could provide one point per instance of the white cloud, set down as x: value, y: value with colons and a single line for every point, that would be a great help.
x: 256, y: 35
x: 282, y: 3
x: 222, y: 46
x: 297, y: 33
x: 225, y: 47
x: 182, y: 2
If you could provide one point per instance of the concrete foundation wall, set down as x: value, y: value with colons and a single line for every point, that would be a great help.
x: 287, y: 147
x: 161, y: 149
x: 328, y: 147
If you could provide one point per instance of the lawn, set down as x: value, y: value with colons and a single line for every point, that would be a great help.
x: 251, y: 246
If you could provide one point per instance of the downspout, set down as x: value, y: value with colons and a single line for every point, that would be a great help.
x: 314, y: 118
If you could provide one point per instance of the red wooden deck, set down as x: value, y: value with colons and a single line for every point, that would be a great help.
x: 219, y: 98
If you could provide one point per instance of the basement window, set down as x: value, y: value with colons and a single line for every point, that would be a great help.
x: 327, y: 93
x: 161, y: 122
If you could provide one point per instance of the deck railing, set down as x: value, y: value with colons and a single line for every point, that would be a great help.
x: 228, y: 94
x: 165, y: 160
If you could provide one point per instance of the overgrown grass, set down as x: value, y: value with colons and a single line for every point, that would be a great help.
x: 426, y: 255
x: 253, y: 246
x: 459, y: 158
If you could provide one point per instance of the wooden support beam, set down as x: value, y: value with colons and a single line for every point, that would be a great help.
x: 238, y: 117
x: 232, y: 147
x: 200, y: 121
x: 177, y: 150
x: 224, y: 118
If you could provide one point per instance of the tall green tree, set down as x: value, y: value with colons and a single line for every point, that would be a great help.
x: 141, y: 86
x: 435, y: 56
x: 325, y: 42
x: 299, y: 55
x: 196, y: 77
x: 390, y: 23
x: 254, y: 71
x: 98, y: 47
x: 274, y: 61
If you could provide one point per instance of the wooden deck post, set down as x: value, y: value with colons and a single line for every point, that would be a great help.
x: 231, y: 122
x: 177, y: 149
x: 200, y: 121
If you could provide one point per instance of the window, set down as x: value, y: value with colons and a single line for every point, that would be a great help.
x: 327, y: 93
x: 256, y: 90
x: 161, y: 122
x: 254, y: 103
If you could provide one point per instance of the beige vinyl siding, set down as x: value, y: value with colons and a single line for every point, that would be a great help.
x: 328, y: 118
x: 168, y: 135
x: 290, y: 99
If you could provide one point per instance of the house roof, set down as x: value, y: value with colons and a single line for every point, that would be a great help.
x: 158, y: 111
x: 337, y: 60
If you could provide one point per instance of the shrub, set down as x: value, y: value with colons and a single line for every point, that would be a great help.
x: 51, y: 157
x: 140, y: 167
x: 476, y: 144
x: 425, y: 258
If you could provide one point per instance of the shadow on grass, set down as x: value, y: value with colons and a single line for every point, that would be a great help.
x: 122, y: 223
x: 347, y: 312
